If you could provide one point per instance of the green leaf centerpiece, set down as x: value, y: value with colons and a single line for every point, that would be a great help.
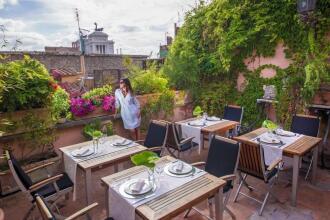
x: 146, y: 158
x: 271, y: 126
x: 197, y: 111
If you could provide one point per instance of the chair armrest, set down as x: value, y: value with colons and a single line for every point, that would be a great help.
x: 189, y: 139
x: 44, y: 182
x: 274, y: 164
x: 139, y: 141
x: 39, y: 167
x: 155, y: 149
x: 229, y: 177
x: 82, y: 211
x: 198, y: 164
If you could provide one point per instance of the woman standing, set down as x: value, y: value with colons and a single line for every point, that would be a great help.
x: 129, y: 107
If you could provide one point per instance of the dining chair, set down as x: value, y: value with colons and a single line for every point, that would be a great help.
x: 234, y: 113
x: 222, y: 161
x: 156, y: 137
x: 177, y: 144
x: 51, y: 188
x: 306, y: 125
x: 251, y: 162
x: 47, y: 213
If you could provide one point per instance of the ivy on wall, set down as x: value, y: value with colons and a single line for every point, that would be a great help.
x: 211, y: 46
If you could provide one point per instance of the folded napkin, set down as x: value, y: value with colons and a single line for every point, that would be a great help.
x: 81, y: 151
x: 213, y: 118
x: 179, y: 166
x: 284, y: 132
x: 138, y: 186
x: 269, y: 139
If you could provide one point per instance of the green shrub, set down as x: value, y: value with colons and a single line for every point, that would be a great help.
x: 60, y: 104
x: 97, y: 94
x: 25, y: 84
x: 149, y: 81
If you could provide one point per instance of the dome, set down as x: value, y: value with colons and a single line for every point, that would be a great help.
x: 98, y: 34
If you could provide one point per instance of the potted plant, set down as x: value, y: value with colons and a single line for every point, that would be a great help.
x: 60, y: 105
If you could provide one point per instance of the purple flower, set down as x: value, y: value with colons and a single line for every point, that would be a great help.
x: 81, y: 107
x: 108, y: 103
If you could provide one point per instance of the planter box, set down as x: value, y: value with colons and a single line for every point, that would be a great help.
x: 96, y: 113
x: 322, y: 97
x: 17, y: 117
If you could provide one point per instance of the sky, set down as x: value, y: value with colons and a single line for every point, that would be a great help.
x: 136, y: 26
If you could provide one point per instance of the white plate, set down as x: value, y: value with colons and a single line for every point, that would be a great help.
x: 175, y: 175
x: 147, y: 187
x: 83, y: 152
x: 284, y: 133
x: 146, y: 195
x: 122, y: 143
x: 213, y: 118
x: 270, y: 140
x: 185, y: 170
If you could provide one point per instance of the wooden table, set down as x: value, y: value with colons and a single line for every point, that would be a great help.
x: 176, y: 201
x: 295, y: 150
x: 96, y: 163
x: 219, y: 128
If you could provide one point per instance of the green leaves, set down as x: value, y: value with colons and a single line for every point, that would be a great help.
x: 146, y: 158
x: 197, y: 111
x: 269, y: 125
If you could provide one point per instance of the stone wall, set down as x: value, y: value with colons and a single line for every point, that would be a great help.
x: 72, y: 61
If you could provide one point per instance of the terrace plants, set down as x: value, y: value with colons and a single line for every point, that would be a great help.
x: 60, y: 104
x: 80, y: 107
x: 97, y: 94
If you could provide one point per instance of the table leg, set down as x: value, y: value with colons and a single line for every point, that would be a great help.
x: 107, y: 201
x: 315, y: 159
x: 219, y: 207
x: 295, y: 177
x: 88, y: 181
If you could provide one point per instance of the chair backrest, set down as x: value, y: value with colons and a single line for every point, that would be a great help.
x: 156, y: 135
x: 44, y: 210
x: 22, y: 179
x: 172, y: 137
x: 223, y: 156
x: 305, y: 124
x: 233, y: 113
x: 251, y: 160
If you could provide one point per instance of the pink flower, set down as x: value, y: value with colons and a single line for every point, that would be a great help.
x: 81, y: 107
x: 108, y: 103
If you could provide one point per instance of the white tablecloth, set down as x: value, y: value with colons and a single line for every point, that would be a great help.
x: 195, y: 131
x: 71, y: 162
x: 273, y: 152
x: 122, y: 208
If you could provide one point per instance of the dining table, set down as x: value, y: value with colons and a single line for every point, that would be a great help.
x: 295, y: 149
x: 108, y: 154
x: 172, y: 195
x: 209, y: 128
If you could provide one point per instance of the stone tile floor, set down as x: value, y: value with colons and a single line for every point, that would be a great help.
x: 313, y: 201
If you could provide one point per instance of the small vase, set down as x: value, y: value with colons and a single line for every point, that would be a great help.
x: 151, y: 176
x: 96, y: 145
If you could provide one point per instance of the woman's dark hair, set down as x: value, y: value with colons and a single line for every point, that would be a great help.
x: 127, y: 84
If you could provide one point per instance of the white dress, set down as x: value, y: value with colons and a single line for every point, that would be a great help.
x: 129, y: 109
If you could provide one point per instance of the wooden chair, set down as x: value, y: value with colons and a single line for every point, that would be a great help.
x: 51, y: 188
x: 234, y: 113
x: 176, y: 144
x: 251, y: 162
x: 47, y: 214
x: 306, y: 125
x: 156, y: 136
x: 221, y: 162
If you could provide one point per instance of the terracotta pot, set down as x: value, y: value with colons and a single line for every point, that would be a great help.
x: 18, y: 116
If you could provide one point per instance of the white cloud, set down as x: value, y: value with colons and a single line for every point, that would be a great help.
x: 137, y: 27
x: 3, y: 3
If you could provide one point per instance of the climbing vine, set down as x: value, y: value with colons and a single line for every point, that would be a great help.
x: 215, y: 39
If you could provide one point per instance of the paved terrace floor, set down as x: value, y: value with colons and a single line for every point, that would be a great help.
x: 313, y: 201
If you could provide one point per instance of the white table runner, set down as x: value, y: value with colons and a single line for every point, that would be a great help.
x: 122, y: 208
x: 273, y: 152
x: 195, y: 131
x: 71, y: 162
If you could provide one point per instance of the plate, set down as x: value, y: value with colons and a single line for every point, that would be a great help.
x: 197, y: 123
x: 284, y: 133
x: 122, y: 143
x: 185, y: 170
x: 83, y: 152
x: 146, y: 188
x: 213, y: 118
x: 166, y: 170
x: 270, y: 140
